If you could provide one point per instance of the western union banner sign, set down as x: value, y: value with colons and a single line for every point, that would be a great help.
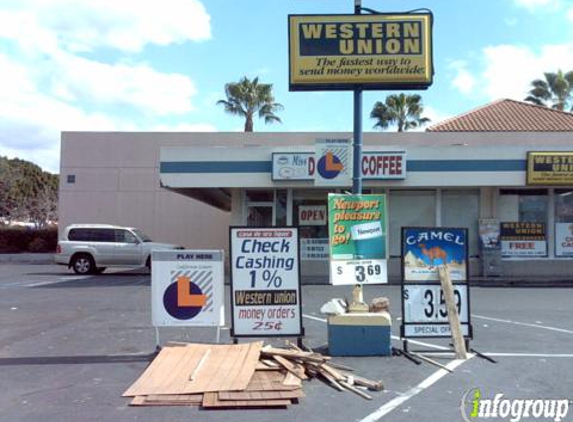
x: 550, y: 168
x: 383, y: 51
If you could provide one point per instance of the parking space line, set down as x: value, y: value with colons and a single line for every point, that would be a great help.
x: 419, y: 343
x: 59, y: 280
x: 530, y: 355
x: 412, y: 392
x: 525, y: 324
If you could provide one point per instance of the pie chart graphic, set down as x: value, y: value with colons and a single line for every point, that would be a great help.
x: 183, y: 299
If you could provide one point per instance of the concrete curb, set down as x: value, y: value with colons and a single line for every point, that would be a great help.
x: 28, y: 258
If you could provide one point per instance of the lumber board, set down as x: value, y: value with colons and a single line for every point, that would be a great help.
x: 228, y: 368
x: 293, y: 368
x: 261, y: 395
x: 355, y: 390
x: 211, y: 400
x: 292, y: 354
x: 292, y: 380
x: 455, y: 326
x: 269, y: 380
x: 365, y: 382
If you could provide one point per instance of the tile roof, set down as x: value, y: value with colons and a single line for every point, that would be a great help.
x: 508, y: 116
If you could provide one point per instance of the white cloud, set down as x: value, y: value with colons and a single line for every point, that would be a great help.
x: 47, y: 87
x: 509, y: 69
x: 464, y: 81
x: 127, y: 25
x: 570, y: 15
x: 136, y: 85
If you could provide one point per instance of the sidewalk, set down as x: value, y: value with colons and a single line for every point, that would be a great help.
x: 27, y: 258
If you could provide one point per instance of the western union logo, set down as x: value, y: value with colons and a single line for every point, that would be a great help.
x: 378, y: 51
x: 265, y: 297
x: 363, y: 37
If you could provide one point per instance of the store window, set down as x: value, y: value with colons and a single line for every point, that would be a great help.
x: 523, y: 205
x: 260, y: 207
x: 523, y: 215
x: 409, y: 208
x: 310, y: 214
x: 460, y: 208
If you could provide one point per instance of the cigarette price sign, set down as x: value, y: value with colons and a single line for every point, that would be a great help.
x: 265, y: 282
x: 424, y: 250
x: 357, y: 233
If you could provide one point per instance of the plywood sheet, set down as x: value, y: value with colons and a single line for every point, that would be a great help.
x: 269, y: 381
x: 260, y: 395
x: 168, y: 400
x: 227, y: 368
x: 211, y: 400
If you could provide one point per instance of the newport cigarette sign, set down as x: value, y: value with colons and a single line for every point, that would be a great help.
x: 381, y: 51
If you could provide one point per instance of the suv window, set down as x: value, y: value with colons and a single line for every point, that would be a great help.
x: 125, y: 236
x: 92, y: 235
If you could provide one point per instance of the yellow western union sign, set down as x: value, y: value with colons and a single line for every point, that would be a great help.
x: 550, y: 168
x: 386, y: 51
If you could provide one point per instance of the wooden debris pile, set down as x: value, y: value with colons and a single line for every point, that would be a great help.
x: 237, y: 376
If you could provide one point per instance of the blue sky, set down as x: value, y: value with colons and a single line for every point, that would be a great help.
x: 145, y: 65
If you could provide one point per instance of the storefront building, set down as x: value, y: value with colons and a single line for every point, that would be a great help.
x: 459, y: 171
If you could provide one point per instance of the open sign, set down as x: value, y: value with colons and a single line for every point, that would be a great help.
x: 312, y: 215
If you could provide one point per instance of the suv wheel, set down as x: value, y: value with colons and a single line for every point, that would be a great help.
x: 83, y: 264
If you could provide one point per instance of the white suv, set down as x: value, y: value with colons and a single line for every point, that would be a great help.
x: 91, y: 248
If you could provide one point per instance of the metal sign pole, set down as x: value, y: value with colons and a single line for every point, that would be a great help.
x: 357, y: 150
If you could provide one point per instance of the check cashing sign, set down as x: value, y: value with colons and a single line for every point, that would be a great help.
x: 265, y: 282
x: 357, y: 235
x: 379, y: 51
x: 187, y: 288
x: 424, y: 311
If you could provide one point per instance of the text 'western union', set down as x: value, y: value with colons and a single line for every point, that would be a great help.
x: 362, y: 38
x: 265, y: 297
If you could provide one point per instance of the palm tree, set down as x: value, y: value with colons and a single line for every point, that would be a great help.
x: 405, y: 111
x: 556, y: 91
x: 246, y: 98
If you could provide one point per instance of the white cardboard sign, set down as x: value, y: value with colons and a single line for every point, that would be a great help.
x: 265, y: 282
x: 187, y: 288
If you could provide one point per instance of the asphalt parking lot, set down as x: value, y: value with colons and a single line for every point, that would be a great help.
x: 70, y: 345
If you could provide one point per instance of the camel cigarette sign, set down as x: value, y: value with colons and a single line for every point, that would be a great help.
x: 187, y: 288
x: 424, y: 249
x: 357, y: 234
x: 379, y: 51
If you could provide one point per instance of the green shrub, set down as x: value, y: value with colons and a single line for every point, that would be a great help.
x: 18, y: 239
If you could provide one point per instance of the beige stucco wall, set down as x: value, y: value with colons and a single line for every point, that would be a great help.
x: 117, y: 182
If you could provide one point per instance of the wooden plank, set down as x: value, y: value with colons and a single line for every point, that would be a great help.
x: 261, y: 395
x: 292, y: 380
x: 365, y: 382
x: 333, y: 372
x: 268, y: 380
x: 228, y: 368
x: 355, y: 390
x: 137, y: 401
x: 292, y: 354
x: 211, y: 400
x: 453, y: 317
x: 175, y: 398
x: 293, y: 368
